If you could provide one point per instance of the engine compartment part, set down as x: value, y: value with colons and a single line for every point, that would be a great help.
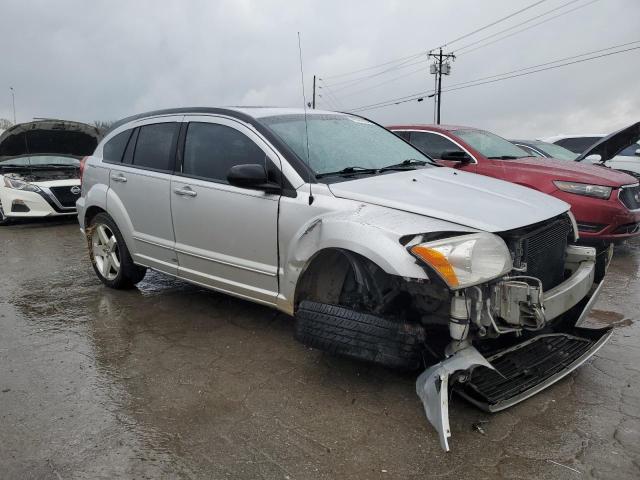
x: 361, y: 336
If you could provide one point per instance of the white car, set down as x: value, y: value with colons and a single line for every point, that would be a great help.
x: 619, y: 150
x: 40, y: 166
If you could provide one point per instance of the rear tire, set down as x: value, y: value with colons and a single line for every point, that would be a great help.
x: 109, y: 255
x: 342, y: 331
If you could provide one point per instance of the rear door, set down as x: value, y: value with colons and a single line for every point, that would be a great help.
x: 226, y: 236
x: 141, y: 187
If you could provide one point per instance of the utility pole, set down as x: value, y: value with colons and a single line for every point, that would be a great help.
x: 13, y: 101
x: 441, y: 67
x: 314, y: 93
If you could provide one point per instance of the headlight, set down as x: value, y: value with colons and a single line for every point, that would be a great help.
x: 466, y: 260
x: 20, y: 185
x: 597, y: 191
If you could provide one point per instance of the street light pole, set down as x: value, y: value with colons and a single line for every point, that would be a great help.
x: 13, y: 101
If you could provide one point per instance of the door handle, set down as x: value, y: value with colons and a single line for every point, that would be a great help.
x: 119, y: 178
x: 185, y: 192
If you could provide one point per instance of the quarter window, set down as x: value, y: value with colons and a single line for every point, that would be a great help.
x: 155, y: 146
x: 432, y: 144
x: 114, y: 148
x: 212, y: 149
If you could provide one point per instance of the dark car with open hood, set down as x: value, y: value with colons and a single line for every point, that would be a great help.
x: 40, y: 167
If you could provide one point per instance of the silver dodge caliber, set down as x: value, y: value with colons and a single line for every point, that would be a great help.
x: 378, y: 253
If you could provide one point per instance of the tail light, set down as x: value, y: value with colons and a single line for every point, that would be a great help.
x: 82, y: 163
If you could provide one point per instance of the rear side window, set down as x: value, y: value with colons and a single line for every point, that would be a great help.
x: 155, y: 146
x: 577, y: 145
x: 114, y: 148
x: 432, y: 144
x: 211, y: 150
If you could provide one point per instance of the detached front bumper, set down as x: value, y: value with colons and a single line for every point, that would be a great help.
x: 494, y: 376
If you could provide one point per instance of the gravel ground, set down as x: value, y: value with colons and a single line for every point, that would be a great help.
x: 172, y: 381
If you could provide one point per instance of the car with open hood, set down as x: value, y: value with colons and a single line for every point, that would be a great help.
x: 39, y: 167
x: 603, y: 200
x: 380, y: 254
x: 620, y: 151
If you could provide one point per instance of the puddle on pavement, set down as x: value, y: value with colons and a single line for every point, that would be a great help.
x: 606, y: 317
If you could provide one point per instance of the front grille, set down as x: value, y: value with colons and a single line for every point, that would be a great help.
x: 65, y: 196
x: 541, y: 248
x: 630, y: 197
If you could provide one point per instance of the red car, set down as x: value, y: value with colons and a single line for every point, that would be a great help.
x: 605, y: 202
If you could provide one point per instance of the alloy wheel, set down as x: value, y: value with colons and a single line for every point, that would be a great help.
x: 104, y: 247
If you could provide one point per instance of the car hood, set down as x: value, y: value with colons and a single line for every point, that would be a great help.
x: 568, y: 171
x: 56, y: 137
x: 613, y: 144
x: 459, y: 197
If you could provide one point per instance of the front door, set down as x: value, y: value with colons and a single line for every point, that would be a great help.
x: 226, y: 236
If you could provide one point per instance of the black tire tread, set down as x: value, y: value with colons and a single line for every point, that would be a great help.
x: 342, y: 331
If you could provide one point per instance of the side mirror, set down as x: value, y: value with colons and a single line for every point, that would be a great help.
x: 455, y: 156
x: 253, y: 176
x: 594, y: 158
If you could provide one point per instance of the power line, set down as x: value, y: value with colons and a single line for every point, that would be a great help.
x: 524, y: 29
x: 477, y: 82
x: 371, y: 87
x: 493, y: 23
x: 405, y: 64
x: 546, y: 63
x: 409, y: 57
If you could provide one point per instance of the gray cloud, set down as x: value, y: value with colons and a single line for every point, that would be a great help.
x: 105, y: 60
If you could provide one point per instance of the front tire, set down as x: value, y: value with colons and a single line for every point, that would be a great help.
x: 109, y: 255
x: 3, y: 219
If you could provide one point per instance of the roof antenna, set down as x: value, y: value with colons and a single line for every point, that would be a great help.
x: 306, y: 126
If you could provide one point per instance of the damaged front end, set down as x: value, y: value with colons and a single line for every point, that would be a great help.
x: 515, y: 335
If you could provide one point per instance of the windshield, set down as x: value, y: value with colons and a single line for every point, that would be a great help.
x: 555, y: 151
x: 490, y: 145
x: 40, y: 160
x: 338, y: 142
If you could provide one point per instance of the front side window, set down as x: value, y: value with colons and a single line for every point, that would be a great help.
x: 211, y: 150
x: 114, y: 148
x: 490, y: 145
x: 339, y: 141
x: 155, y: 146
x: 433, y: 144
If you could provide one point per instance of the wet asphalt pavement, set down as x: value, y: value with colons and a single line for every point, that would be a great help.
x: 173, y: 381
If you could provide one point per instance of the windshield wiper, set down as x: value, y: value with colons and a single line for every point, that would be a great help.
x: 504, y: 157
x: 348, y: 171
x: 408, y: 164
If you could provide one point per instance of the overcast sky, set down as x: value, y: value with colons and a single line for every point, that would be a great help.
x: 104, y: 60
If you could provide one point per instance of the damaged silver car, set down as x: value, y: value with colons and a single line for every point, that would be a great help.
x: 379, y: 254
